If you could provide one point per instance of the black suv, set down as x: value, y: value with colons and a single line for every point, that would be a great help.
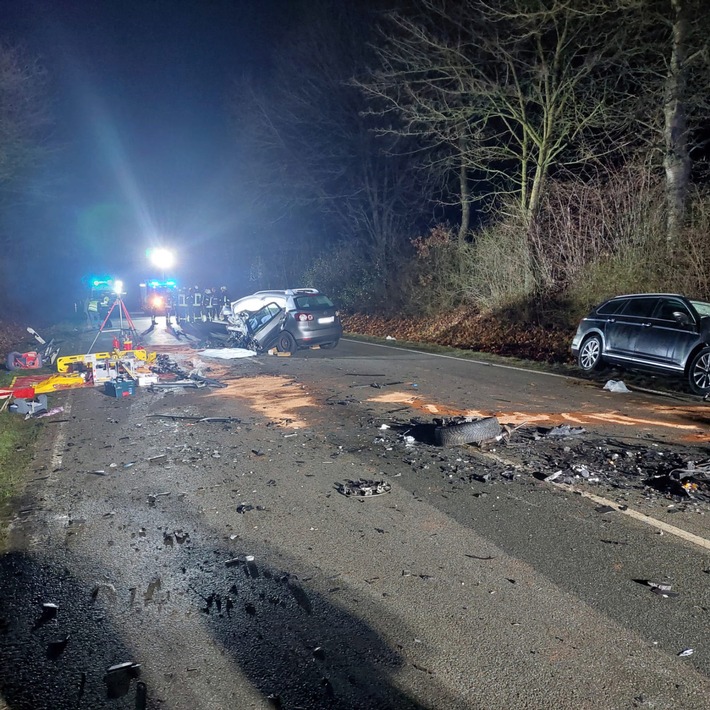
x: 656, y: 332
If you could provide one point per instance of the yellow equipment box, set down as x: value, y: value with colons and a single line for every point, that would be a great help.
x: 64, y: 364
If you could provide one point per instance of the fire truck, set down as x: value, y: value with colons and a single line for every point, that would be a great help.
x: 159, y: 298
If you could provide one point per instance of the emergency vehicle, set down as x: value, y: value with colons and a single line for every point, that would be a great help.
x: 158, y: 298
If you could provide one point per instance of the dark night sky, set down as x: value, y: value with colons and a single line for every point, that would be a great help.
x: 146, y: 151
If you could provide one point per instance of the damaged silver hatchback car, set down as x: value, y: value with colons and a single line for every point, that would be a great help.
x: 662, y: 333
x: 285, y: 319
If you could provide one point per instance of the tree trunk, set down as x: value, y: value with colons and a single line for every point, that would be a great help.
x: 465, y: 202
x: 676, y: 160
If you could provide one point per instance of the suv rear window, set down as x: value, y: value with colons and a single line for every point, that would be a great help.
x: 611, y: 307
x: 313, y: 301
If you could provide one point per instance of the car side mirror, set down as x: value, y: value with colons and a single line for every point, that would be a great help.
x: 681, y: 317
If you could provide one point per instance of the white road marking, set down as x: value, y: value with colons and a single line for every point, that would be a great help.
x: 571, y: 378
x: 665, y: 527
x: 58, y: 447
x: 463, y: 359
x: 641, y: 517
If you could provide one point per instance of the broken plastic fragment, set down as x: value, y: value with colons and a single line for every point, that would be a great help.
x: 686, y: 652
x: 616, y: 386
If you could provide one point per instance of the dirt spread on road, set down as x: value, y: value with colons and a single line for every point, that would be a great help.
x: 674, y: 417
x: 280, y: 399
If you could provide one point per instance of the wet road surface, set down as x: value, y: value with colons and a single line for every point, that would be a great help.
x: 219, y: 560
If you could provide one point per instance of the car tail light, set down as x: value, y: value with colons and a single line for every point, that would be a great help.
x: 303, y: 316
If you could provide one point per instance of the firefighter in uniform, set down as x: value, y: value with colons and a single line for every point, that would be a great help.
x: 169, y: 305
x: 181, y: 305
x: 196, y: 304
x: 225, y: 302
x: 214, y: 304
x: 92, y: 311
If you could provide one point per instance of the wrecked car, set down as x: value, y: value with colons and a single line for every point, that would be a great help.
x: 666, y: 334
x: 287, y: 320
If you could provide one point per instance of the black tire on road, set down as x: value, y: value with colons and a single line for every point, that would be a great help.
x: 286, y: 342
x: 590, y: 354
x: 10, y: 361
x: 699, y: 372
x: 481, y: 430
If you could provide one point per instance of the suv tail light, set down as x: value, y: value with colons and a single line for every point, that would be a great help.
x: 303, y: 316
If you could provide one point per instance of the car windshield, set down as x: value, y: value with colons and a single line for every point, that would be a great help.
x: 313, y: 301
x: 701, y: 307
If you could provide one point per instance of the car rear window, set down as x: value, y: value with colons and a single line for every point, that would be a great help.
x: 702, y: 308
x: 611, y: 307
x: 641, y: 307
x: 315, y: 301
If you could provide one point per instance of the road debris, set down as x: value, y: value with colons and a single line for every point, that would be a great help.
x: 616, y: 386
x: 686, y: 652
x: 563, y: 430
x: 463, y: 430
x: 363, y: 488
x: 118, y: 678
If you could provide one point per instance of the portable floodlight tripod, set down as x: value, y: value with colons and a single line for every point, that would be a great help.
x: 122, y: 311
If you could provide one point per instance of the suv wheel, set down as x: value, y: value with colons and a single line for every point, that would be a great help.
x: 286, y: 342
x: 590, y: 354
x: 699, y: 372
x: 329, y: 346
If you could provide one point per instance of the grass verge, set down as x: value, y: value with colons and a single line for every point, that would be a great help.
x: 17, y: 438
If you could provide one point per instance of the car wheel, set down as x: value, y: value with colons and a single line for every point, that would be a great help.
x: 590, y: 354
x: 330, y: 346
x: 699, y: 372
x: 286, y: 342
x: 477, y: 432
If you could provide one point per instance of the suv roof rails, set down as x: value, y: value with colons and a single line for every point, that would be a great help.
x: 293, y: 291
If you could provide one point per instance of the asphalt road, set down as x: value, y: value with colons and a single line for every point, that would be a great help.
x: 233, y: 573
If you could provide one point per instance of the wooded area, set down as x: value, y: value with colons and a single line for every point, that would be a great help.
x: 541, y: 154
x: 527, y: 156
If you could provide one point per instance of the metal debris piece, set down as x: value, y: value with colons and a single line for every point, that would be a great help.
x: 161, y: 458
x: 118, y: 678
x: 565, y: 430
x: 56, y: 648
x: 363, y: 488
x: 604, y: 509
x: 686, y: 652
x: 662, y: 589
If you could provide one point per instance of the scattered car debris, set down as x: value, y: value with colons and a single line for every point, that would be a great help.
x: 57, y: 647
x: 662, y: 589
x: 564, y: 430
x: 153, y: 497
x: 228, y: 353
x: 468, y: 431
x: 686, y: 652
x: 616, y: 386
x: 118, y: 678
x: 363, y: 488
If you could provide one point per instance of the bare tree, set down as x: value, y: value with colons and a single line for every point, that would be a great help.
x: 514, y: 88
x: 311, y: 148
x: 24, y: 116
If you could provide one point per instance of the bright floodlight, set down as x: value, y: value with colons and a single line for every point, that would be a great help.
x: 118, y: 287
x: 161, y: 258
